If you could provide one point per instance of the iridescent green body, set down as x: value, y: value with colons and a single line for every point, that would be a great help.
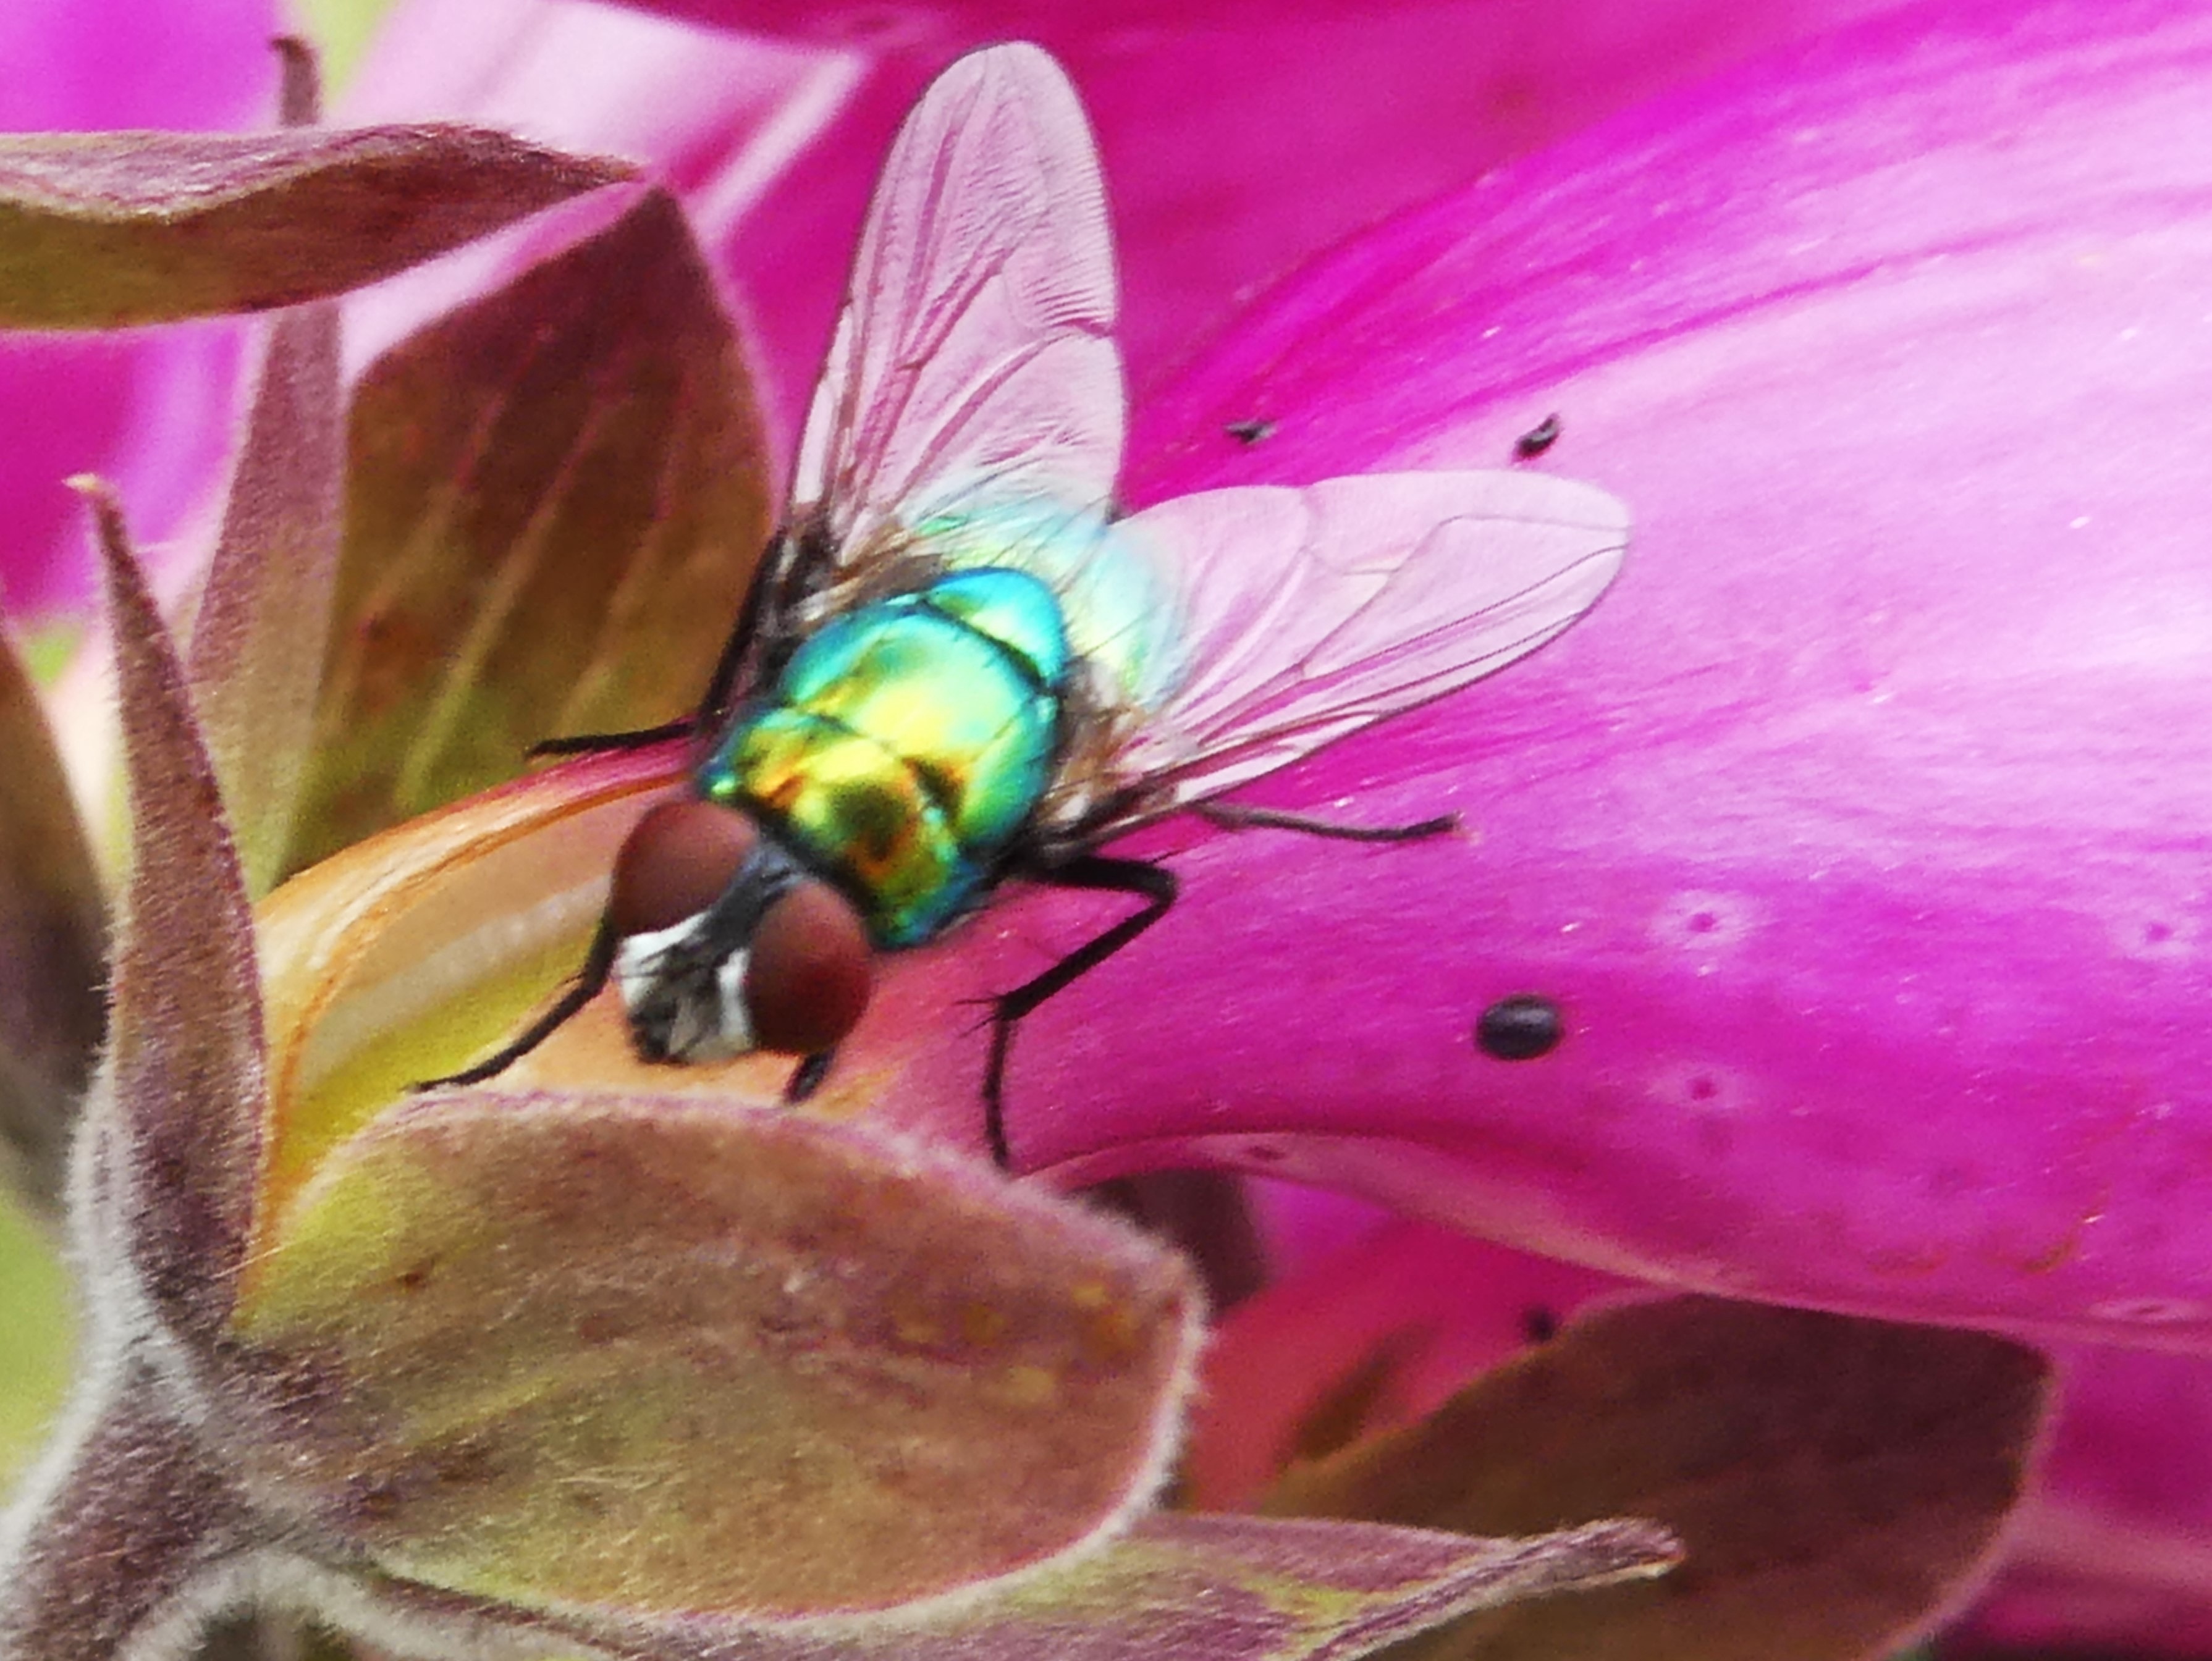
x: 906, y: 743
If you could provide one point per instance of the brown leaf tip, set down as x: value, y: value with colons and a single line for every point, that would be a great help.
x: 106, y: 511
x: 1626, y: 1548
x: 299, y: 73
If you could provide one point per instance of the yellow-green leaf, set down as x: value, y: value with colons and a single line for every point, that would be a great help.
x: 556, y: 499
x: 53, y: 939
x: 663, y: 1356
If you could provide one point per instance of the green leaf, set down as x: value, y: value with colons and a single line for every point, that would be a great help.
x: 1836, y: 1482
x: 556, y: 499
x: 1174, y: 1588
x: 1226, y: 1588
x: 667, y: 1357
x: 37, y: 1312
x: 102, y: 230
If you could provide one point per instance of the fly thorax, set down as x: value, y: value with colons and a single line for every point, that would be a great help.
x: 1116, y: 609
x: 907, y: 744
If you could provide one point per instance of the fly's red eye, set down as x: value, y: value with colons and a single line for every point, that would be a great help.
x: 675, y: 862
x: 807, y: 979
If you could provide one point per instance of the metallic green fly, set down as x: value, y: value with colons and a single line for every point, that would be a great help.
x: 956, y: 666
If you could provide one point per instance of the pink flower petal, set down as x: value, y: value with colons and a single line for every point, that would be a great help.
x: 1540, y: 32
x: 2116, y: 1547
x: 720, y: 116
x: 1234, y: 145
x: 150, y: 411
x: 1861, y: 832
x: 1237, y: 149
x: 1374, y: 1336
x: 198, y: 66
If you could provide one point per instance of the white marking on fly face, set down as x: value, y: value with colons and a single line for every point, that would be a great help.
x: 682, y: 1008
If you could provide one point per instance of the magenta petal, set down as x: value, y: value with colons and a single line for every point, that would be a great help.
x: 149, y: 411
x: 1236, y: 142
x: 1690, y: 28
x: 200, y: 65
x: 719, y: 116
x: 1236, y: 151
x: 1861, y: 833
x: 2115, y: 1549
x: 1373, y: 1337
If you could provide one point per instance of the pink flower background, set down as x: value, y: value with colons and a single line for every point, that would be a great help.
x: 1860, y: 833
x: 154, y: 409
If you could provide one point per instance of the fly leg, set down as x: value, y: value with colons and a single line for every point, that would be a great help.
x: 591, y: 744
x: 806, y: 1077
x: 792, y: 565
x: 712, y: 707
x: 1154, y: 884
x: 1231, y: 815
x: 598, y: 965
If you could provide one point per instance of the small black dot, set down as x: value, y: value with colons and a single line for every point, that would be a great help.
x: 1249, y: 433
x: 1539, y: 1325
x: 1538, y: 438
x: 1520, y: 1028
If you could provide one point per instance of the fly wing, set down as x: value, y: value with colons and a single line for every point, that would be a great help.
x: 974, y: 360
x: 1309, y: 614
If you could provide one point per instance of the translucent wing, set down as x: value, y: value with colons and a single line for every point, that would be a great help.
x: 974, y: 360
x: 1308, y: 613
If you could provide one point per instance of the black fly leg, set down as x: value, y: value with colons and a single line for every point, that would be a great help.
x: 1230, y: 816
x: 806, y: 1077
x: 712, y: 707
x: 796, y: 563
x: 591, y: 743
x: 1154, y: 884
x: 598, y: 965
x: 790, y: 564
x: 716, y: 703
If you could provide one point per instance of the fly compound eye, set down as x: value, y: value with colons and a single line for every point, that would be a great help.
x: 675, y: 862
x: 806, y: 980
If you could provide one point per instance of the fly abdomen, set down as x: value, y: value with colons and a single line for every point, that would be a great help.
x: 906, y: 745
